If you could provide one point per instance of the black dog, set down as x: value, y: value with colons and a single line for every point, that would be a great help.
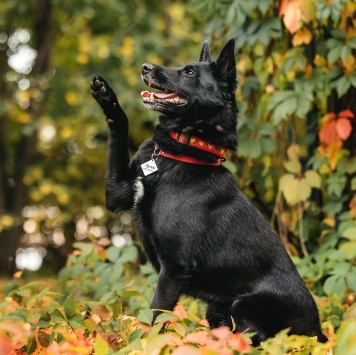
x: 202, y: 235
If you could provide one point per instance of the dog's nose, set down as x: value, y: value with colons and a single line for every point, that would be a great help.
x: 147, y: 67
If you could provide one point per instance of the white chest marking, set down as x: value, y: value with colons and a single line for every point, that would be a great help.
x: 139, y: 191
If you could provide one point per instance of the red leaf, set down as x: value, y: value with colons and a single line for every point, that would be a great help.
x: 327, y: 133
x: 346, y: 113
x: 343, y: 128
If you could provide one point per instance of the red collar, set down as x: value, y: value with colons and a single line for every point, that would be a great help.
x: 194, y: 142
x: 199, y: 143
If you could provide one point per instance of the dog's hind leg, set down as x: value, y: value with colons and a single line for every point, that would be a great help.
x: 218, y: 315
x: 119, y: 187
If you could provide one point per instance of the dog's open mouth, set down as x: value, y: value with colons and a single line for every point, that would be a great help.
x: 165, y: 97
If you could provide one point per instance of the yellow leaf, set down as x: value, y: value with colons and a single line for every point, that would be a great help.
x: 302, y: 36
x: 6, y: 220
x: 293, y: 166
x: 126, y: 49
x: 71, y: 98
x: 329, y: 221
x: 284, y: 181
x: 82, y: 58
x: 290, y: 192
x: 23, y: 117
x: 66, y: 132
x: 293, y: 152
x: 304, y: 189
x: 313, y: 178
x: 46, y: 188
x: 319, y: 61
x: 307, y: 9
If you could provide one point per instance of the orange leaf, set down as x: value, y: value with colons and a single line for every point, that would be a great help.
x: 221, y: 333
x: 327, y: 133
x: 346, y: 113
x: 302, y: 36
x: 328, y: 117
x: 282, y: 9
x: 343, y: 128
x: 201, y: 338
x: 239, y: 343
x: 292, y: 15
x: 180, y: 312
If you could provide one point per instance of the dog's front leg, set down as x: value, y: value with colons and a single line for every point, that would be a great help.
x: 167, y: 293
x: 119, y: 187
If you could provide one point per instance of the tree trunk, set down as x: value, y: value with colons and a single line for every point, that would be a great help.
x: 13, y: 196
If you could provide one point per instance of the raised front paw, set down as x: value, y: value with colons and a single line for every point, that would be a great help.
x: 102, y: 92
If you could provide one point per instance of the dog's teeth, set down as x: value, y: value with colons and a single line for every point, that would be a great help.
x: 152, y: 97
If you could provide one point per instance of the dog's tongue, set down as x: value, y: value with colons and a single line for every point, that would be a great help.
x: 162, y: 95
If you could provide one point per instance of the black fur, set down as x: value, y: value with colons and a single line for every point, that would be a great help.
x: 202, y: 235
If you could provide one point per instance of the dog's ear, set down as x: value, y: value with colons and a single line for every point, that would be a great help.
x: 205, y: 53
x: 226, y: 61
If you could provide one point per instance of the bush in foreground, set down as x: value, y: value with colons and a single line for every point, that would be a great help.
x: 36, y: 320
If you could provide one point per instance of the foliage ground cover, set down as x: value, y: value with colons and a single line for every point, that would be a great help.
x: 105, y: 314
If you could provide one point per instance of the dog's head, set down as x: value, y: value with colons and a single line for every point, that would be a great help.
x: 204, y: 87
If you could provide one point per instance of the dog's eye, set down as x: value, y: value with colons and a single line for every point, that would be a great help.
x: 189, y: 72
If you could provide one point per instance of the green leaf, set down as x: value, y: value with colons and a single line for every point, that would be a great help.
x: 57, y: 316
x: 60, y: 338
x: 352, y: 42
x: 334, y: 55
x: 350, y: 233
x: 101, y: 347
x: 116, y: 308
x: 345, y: 53
x: 313, y: 178
x: 129, y: 254
x: 335, y: 74
x: 250, y: 147
x: 77, y: 322
x: 349, y: 248
x: 267, y: 144
x: 351, y: 281
x: 179, y: 329
x: 165, y: 317
x: 145, y: 316
x: 284, y: 108
x: 69, y: 305
x: 342, y: 85
x: 132, y: 293
x: 293, y: 166
x: 353, y: 80
x: 113, y: 253
x: 345, y: 336
x: 338, y: 33
x: 334, y: 284
x: 135, y: 335
x: 90, y: 324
